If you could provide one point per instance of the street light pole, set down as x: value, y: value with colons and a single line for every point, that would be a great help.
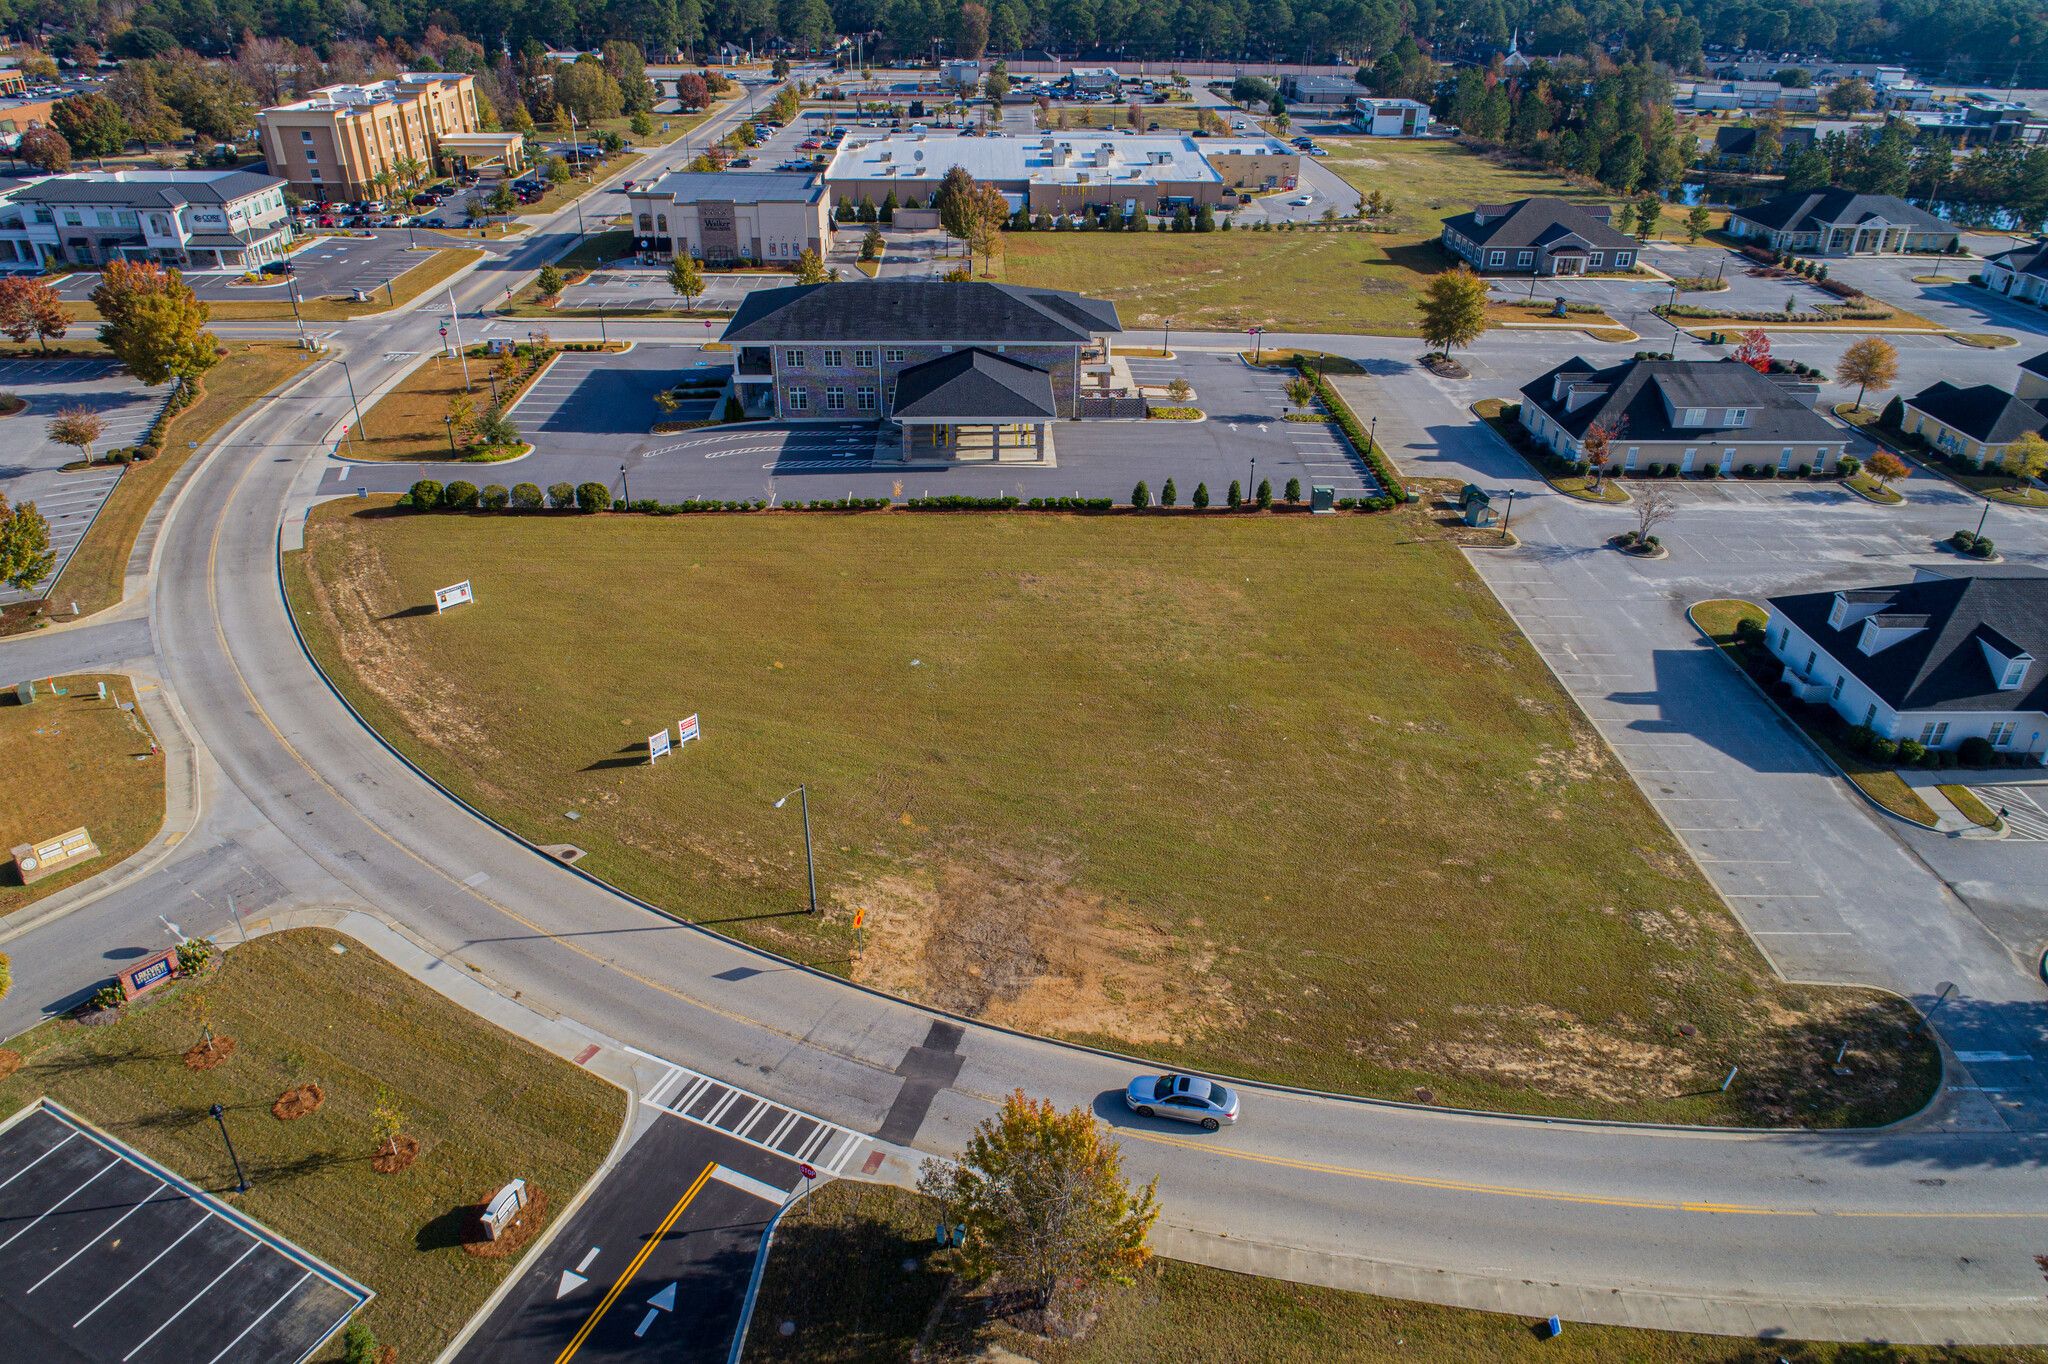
x: 803, y: 795
x: 625, y: 485
x: 361, y: 430
x: 1981, y: 519
x: 220, y: 1118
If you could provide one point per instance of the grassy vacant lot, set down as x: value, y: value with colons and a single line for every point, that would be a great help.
x: 1882, y: 784
x: 483, y: 1105
x: 93, y: 575
x: 407, y: 423
x: 1431, y: 180
x: 836, y: 1272
x: 70, y: 761
x: 1285, y: 796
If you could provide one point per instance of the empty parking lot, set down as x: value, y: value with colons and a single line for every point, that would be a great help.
x: 106, y: 1256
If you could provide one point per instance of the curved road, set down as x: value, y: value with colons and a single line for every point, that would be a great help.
x: 1916, y: 1234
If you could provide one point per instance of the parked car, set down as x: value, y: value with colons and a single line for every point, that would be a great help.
x: 370, y: 206
x: 279, y: 267
x: 1188, y: 1098
x: 1318, y: 151
x: 427, y: 200
x: 627, y: 187
x: 809, y: 144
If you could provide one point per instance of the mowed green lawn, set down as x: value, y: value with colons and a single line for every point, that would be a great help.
x: 1286, y: 797
x: 1433, y: 180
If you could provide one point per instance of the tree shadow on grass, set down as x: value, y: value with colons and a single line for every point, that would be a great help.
x: 312, y: 1163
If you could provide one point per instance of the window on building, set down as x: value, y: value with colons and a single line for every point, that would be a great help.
x: 1496, y: 258
x: 1808, y: 669
x: 832, y: 355
x: 864, y: 359
x: 1932, y: 734
x: 835, y: 398
x: 1838, y: 687
x: 73, y: 218
x: 1869, y: 714
x: 799, y: 400
x: 2014, y: 671
x: 794, y: 359
x: 893, y: 354
x: 1630, y: 462
x: 1593, y: 258
x: 313, y: 174
x: 646, y: 223
x: 305, y: 135
x: 661, y: 223
x: 1623, y: 259
x: 106, y: 217
x: 1738, y: 416
x: 1693, y: 416
x: 1525, y: 258
x: 865, y: 397
x: 1820, y: 458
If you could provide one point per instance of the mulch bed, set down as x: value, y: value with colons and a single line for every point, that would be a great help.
x: 401, y: 1153
x: 10, y: 1061
x: 518, y: 1232
x: 1445, y: 368
x: 297, y: 1102
x: 207, y: 1055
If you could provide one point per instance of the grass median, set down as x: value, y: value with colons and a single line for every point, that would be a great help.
x: 409, y: 422
x: 94, y: 574
x: 1284, y: 796
x: 484, y: 1106
x: 71, y: 761
x: 836, y: 1273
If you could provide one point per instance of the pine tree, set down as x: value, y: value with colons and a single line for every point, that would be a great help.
x: 1168, y: 494
x: 1201, y: 497
x: 1264, y: 496
x: 1294, y: 490
x: 1235, y: 498
x: 1141, y: 496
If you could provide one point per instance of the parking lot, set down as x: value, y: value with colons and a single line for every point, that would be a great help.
x: 331, y: 265
x: 31, y: 464
x: 105, y: 1255
x: 642, y: 288
x: 609, y: 395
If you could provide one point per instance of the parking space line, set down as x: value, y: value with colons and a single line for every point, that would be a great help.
x: 205, y: 1216
x: 260, y: 1316
x: 140, y: 1204
x: 59, y: 1203
x: 189, y: 1301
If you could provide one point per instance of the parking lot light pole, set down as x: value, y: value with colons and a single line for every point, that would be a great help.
x: 450, y: 421
x: 361, y: 430
x: 803, y: 795
x: 220, y: 1118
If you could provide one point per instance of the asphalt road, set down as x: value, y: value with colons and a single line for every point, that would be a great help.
x: 1921, y: 1233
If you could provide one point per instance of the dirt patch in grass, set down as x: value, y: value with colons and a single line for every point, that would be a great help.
x: 96, y: 570
x: 1284, y: 796
x: 210, y: 1053
x: 836, y: 1274
x: 484, y: 1106
x: 73, y: 761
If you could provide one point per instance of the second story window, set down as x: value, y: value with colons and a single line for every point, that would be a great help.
x: 864, y: 359
x: 793, y: 359
x: 832, y: 358
x: 893, y: 354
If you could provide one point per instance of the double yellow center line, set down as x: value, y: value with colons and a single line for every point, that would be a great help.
x: 632, y: 1269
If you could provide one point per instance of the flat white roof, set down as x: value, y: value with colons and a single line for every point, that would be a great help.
x: 1103, y: 156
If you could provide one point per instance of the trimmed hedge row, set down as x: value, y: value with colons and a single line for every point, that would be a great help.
x: 1353, y: 432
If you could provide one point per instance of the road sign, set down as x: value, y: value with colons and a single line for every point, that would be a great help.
x: 807, y: 1172
x: 657, y: 746
x: 445, y: 597
x: 686, y: 730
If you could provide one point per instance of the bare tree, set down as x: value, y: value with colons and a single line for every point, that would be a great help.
x: 1654, y: 506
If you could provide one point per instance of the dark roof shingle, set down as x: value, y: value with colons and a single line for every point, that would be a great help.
x: 1635, y: 393
x: 1815, y: 210
x: 1983, y: 412
x: 1542, y: 218
x: 921, y: 311
x: 975, y: 384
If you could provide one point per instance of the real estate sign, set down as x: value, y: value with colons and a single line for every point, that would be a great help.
x: 686, y: 730
x: 657, y: 746
x: 445, y: 597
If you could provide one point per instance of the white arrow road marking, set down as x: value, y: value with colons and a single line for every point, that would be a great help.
x: 646, y: 1322
x: 665, y: 1299
x: 571, y: 1281
x: 584, y: 1263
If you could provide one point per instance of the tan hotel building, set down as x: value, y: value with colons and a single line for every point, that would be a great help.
x: 331, y: 145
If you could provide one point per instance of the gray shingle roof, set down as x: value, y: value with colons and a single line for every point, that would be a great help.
x: 2031, y: 259
x: 1543, y: 218
x: 1815, y: 210
x: 1983, y: 412
x: 65, y: 189
x: 2037, y: 364
x: 739, y: 187
x: 921, y: 311
x: 1942, y: 666
x: 1780, y: 413
x: 975, y: 384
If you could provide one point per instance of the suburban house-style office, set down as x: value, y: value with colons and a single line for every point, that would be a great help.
x: 1977, y: 423
x: 1542, y: 236
x: 1954, y: 654
x: 1841, y: 222
x: 2020, y: 273
x: 1695, y: 414
x: 872, y: 351
x: 194, y: 220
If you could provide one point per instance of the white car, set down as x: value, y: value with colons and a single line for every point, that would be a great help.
x: 1303, y: 202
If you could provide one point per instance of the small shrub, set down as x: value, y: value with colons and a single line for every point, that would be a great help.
x: 1965, y: 540
x: 1858, y: 738
x: 1168, y: 494
x: 493, y: 497
x: 426, y: 495
x: 359, y: 1344
x: 561, y: 496
x: 460, y: 496
x: 1848, y: 466
x: 195, y: 953
x: 1235, y: 497
x: 1948, y: 757
x: 1975, y: 751
x: 593, y: 497
x: 1749, y: 471
x: 1805, y: 470
x: 1749, y: 631
x: 1883, y: 750
x: 1932, y: 758
x: 1264, y: 496
x: 1293, y: 493
x: 1141, y: 496
x: 108, y: 996
x: 1201, y: 497
x: 1983, y: 549
x: 1911, y: 751
x: 525, y: 496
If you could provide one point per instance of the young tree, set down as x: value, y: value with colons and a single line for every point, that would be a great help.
x: 986, y: 213
x: 92, y: 124
x: 46, y: 150
x: 1894, y: 415
x: 1135, y: 116
x: 1453, y: 309
x: 1654, y: 506
x: 686, y: 277
x: 1869, y: 363
x: 154, y: 324
x: 1141, y: 496
x: 1884, y: 466
x: 809, y: 269
x: 1264, y: 495
x: 2024, y: 459
x: 1168, y: 494
x: 29, y: 307
x: 1180, y: 389
x: 1201, y: 498
x: 1649, y: 215
x: 79, y: 427
x: 1046, y: 1205
x: 1597, y: 445
x: 954, y: 201
x: 549, y: 284
x: 25, y: 554
x: 871, y: 244
x: 1293, y: 493
x: 1300, y: 391
x: 389, y: 1121
x: 1755, y: 350
x: 1697, y: 222
x: 495, y: 428
x: 1235, y: 497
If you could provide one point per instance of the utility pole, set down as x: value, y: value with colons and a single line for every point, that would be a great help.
x: 455, y: 320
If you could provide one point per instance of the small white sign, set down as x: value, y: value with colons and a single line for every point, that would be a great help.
x: 503, y: 1207
x: 657, y: 746
x: 445, y: 597
x: 686, y: 730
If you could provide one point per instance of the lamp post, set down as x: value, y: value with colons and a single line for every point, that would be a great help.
x: 1981, y: 519
x: 803, y: 795
x: 625, y: 486
x: 450, y: 421
x: 361, y: 430
x: 1673, y: 319
x: 1251, y: 485
x: 1509, y: 517
x: 603, y: 337
x: 220, y: 1119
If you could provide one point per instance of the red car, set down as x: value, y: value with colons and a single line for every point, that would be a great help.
x: 810, y: 144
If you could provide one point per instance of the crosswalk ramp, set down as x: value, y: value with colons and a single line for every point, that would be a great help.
x: 2025, y: 807
x: 757, y: 1121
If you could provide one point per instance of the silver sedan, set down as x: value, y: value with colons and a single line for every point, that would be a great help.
x: 1188, y: 1098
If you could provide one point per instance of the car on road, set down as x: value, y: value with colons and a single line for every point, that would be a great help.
x: 627, y: 187
x: 1187, y: 1098
x: 1302, y: 201
x: 1317, y: 151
